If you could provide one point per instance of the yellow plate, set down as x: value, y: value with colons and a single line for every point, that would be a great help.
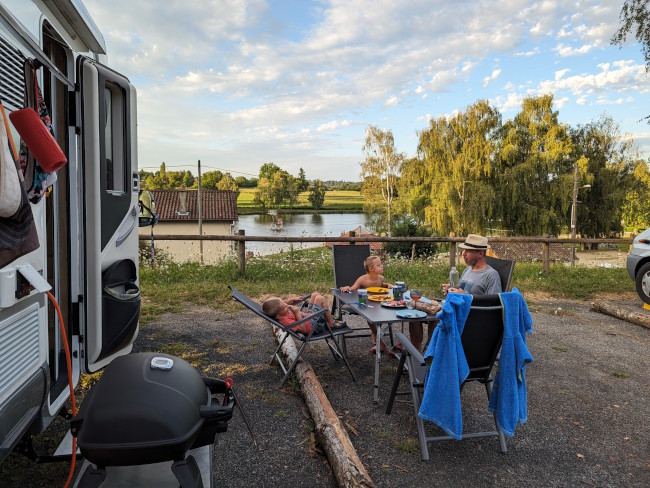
x: 377, y: 289
x: 379, y: 298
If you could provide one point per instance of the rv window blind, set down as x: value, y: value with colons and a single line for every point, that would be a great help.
x: 28, y: 43
x: 12, y: 82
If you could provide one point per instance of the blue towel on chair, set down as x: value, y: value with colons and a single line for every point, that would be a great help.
x: 447, y: 367
x: 508, y: 399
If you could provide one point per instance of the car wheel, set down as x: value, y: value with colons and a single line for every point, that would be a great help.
x: 643, y: 283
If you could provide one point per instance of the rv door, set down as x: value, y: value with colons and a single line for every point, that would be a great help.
x: 111, y: 301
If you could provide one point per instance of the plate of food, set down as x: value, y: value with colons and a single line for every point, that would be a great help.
x: 394, y: 304
x: 379, y: 298
x: 377, y: 289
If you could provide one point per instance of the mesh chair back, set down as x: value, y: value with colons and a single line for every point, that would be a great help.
x: 348, y: 263
x: 482, y: 335
x: 505, y: 268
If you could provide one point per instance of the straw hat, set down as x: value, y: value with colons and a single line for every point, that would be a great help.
x: 475, y: 241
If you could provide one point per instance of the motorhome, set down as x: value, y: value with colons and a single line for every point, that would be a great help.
x: 73, y: 240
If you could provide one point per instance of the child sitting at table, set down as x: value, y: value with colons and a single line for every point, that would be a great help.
x: 285, y: 312
x: 373, y: 277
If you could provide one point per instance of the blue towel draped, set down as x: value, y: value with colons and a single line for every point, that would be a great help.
x: 508, y: 399
x: 447, y: 367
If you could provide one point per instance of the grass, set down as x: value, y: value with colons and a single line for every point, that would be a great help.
x: 172, y: 287
x: 335, y: 201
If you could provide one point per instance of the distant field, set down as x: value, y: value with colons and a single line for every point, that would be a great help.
x: 338, y: 201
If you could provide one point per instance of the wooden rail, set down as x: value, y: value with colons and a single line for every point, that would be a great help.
x: 242, y: 238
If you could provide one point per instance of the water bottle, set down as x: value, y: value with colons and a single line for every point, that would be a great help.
x: 454, y: 277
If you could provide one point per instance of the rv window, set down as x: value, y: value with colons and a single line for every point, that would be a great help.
x: 114, y: 135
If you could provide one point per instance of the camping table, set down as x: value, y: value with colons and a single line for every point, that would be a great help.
x: 375, y: 314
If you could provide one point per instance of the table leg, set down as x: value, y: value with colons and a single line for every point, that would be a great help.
x: 377, y: 362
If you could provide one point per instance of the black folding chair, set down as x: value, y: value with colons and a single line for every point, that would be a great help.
x: 481, y: 340
x: 328, y: 334
x: 505, y: 268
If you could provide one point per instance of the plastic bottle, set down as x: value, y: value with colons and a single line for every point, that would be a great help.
x: 454, y: 277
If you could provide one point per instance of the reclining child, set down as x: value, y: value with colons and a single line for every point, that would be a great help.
x: 285, y: 312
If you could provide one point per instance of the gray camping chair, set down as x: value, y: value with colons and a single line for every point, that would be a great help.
x: 481, y: 339
x: 505, y: 268
x: 328, y: 335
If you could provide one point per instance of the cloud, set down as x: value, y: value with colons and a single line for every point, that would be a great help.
x: 495, y: 74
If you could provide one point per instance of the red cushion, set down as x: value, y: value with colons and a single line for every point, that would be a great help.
x: 38, y: 139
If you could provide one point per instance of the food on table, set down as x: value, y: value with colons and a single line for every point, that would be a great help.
x: 377, y: 289
x: 379, y: 298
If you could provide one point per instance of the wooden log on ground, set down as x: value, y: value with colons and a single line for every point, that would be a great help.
x: 611, y: 309
x: 341, y: 454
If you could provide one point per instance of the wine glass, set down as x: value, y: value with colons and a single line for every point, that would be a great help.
x: 416, y: 294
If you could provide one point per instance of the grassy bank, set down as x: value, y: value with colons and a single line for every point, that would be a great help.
x: 172, y: 286
x: 335, y: 202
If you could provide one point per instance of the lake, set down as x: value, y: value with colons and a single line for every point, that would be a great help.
x: 297, y: 225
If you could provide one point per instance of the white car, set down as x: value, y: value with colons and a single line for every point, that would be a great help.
x: 638, y: 264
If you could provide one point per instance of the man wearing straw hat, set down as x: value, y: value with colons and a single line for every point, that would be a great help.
x: 478, y: 278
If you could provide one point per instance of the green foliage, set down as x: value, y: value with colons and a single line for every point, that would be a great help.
x: 227, y: 183
x: 211, y: 179
x: 316, y: 195
x: 610, y: 171
x: 405, y: 227
x: 267, y: 170
x: 302, y: 183
x: 170, y: 286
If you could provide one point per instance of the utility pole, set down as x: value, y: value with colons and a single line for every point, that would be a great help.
x: 573, y: 214
x: 200, y: 202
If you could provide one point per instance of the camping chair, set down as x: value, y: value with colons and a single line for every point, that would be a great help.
x: 481, y: 340
x: 505, y: 268
x: 348, y: 266
x: 329, y: 335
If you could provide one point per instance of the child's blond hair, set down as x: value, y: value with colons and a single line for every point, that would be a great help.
x: 272, y: 306
x: 369, y: 262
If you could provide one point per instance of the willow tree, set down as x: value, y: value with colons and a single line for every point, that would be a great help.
x: 535, y: 170
x: 414, y: 189
x: 458, y: 153
x: 379, y: 171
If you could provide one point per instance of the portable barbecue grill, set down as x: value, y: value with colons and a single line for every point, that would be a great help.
x: 149, y: 408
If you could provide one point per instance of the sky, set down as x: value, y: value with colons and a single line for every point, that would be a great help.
x: 240, y: 83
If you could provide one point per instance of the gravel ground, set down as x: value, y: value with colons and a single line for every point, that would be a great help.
x: 588, y: 406
x: 587, y: 395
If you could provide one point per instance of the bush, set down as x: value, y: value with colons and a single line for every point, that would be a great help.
x: 407, y: 227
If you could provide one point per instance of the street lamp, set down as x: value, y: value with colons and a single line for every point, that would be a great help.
x: 574, y: 214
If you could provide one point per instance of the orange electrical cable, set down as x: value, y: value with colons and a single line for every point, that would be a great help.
x: 68, y: 361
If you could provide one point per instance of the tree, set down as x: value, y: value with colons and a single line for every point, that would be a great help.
x: 380, y: 168
x: 610, y: 173
x: 316, y: 194
x: 210, y: 179
x: 535, y: 169
x: 414, y: 189
x: 188, y: 180
x: 635, y: 210
x: 635, y: 16
x: 458, y: 154
x: 267, y: 170
x: 227, y: 182
x: 303, y: 184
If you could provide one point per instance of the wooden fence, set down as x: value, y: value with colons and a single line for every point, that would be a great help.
x: 242, y: 238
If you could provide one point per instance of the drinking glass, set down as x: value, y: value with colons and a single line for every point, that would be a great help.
x: 416, y: 294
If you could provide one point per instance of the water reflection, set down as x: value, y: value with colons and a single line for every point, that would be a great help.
x: 296, y: 225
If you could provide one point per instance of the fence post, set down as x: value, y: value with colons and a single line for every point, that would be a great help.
x: 452, y: 251
x: 242, y: 253
x: 352, y: 234
x: 546, y: 256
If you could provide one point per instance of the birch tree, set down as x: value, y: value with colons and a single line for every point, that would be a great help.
x: 380, y: 170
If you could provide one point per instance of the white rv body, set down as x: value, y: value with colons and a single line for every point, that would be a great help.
x: 86, y: 225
